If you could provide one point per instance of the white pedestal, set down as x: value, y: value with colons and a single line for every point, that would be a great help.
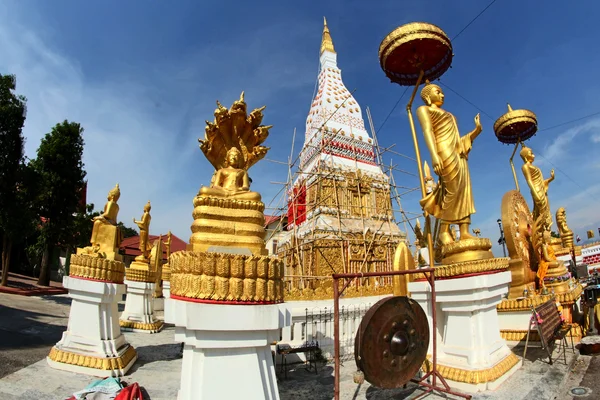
x: 227, y: 353
x: 468, y: 335
x: 139, y: 309
x: 93, y: 343
x: 167, y: 295
x: 158, y: 303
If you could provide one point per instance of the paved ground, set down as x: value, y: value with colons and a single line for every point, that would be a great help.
x: 30, y: 326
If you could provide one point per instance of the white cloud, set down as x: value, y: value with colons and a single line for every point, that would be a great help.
x: 557, y: 149
x: 124, y: 142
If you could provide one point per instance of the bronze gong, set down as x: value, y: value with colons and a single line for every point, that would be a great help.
x: 391, y: 342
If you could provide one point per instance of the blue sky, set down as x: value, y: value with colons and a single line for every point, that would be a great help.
x: 142, y: 76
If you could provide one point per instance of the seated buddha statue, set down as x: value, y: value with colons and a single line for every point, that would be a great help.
x: 106, y: 235
x: 231, y: 181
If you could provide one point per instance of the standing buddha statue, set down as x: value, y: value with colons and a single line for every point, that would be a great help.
x: 551, y: 272
x: 451, y: 200
x: 144, y: 225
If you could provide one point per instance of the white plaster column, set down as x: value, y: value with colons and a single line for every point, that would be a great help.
x: 93, y: 343
x: 227, y: 352
x: 468, y: 333
x: 138, y: 315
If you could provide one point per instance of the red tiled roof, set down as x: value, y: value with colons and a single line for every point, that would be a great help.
x: 131, y: 245
x: 269, y: 219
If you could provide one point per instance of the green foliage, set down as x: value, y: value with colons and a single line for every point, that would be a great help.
x: 555, y: 234
x: 12, y: 117
x: 127, y: 231
x: 83, y: 226
x: 59, y: 168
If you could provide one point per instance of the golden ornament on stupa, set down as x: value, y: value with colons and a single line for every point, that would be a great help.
x: 226, y: 260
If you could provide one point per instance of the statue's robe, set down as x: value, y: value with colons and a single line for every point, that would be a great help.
x: 452, y: 199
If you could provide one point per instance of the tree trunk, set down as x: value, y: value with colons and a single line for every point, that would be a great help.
x: 6, y: 248
x: 45, y: 268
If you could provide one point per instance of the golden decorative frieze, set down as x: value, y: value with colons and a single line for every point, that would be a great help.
x: 144, y: 326
x: 96, y: 268
x: 469, y: 267
x: 475, y: 376
x: 516, y: 335
x: 103, y: 363
x: 235, y: 204
x: 325, y: 292
x: 226, y: 277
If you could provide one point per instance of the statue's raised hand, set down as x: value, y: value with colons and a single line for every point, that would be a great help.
x: 477, y: 122
x: 552, y: 173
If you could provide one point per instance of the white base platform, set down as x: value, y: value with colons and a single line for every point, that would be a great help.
x: 93, y: 329
x: 158, y: 303
x: 139, y: 308
x: 468, y: 334
x: 227, y: 353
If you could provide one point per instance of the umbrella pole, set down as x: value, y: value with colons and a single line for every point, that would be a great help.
x: 420, y: 166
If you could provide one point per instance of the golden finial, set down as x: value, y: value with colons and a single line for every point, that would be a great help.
x: 509, y: 107
x: 326, y: 42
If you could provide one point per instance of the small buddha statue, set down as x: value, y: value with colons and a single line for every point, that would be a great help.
x: 566, y: 235
x: 144, y: 225
x: 231, y: 181
x: 101, y: 240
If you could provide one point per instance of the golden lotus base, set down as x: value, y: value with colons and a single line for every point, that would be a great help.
x: 466, y: 250
x: 140, y: 272
x: 226, y: 277
x: 134, y: 326
x: 227, y: 222
x: 92, y: 365
x: 470, y: 379
x: 566, y: 298
x: 517, y: 335
x: 93, y: 267
x: 475, y: 267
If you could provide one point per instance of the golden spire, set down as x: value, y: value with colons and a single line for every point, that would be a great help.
x: 326, y: 42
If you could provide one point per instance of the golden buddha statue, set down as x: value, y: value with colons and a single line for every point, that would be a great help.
x: 156, y: 265
x: 231, y: 181
x: 102, y: 261
x: 144, y: 225
x: 106, y: 235
x: 566, y: 234
x: 451, y: 200
x: 551, y: 272
x: 228, y: 214
x: 166, y: 267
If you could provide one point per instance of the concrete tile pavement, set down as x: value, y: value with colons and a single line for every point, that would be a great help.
x: 158, y: 367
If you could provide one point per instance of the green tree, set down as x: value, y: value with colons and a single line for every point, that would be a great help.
x: 554, y: 234
x: 60, y: 170
x: 127, y: 231
x: 12, y: 117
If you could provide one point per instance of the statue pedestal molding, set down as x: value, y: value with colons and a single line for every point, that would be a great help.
x: 472, y: 356
x: 93, y: 343
x: 224, y: 342
x: 138, y: 315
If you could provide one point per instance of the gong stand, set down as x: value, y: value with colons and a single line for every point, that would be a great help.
x: 433, y: 373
